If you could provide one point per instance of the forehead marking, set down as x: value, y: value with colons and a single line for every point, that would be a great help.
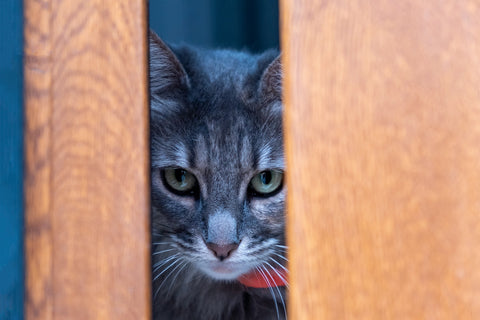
x: 181, y: 155
x: 170, y: 155
x: 268, y: 160
x: 246, y: 153
x: 201, y: 152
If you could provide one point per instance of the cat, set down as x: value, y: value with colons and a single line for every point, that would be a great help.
x: 218, y: 195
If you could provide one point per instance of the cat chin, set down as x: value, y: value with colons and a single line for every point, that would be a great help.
x: 223, y: 271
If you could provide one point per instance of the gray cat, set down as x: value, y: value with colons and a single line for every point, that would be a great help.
x: 218, y: 197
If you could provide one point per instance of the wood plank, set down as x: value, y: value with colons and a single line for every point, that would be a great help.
x: 383, y: 151
x: 87, y: 242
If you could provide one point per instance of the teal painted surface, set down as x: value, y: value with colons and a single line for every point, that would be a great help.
x: 11, y: 161
x: 240, y: 24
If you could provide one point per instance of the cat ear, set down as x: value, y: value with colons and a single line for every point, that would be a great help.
x: 271, y: 81
x: 166, y: 72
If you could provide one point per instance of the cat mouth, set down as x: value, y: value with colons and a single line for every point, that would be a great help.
x: 223, y: 270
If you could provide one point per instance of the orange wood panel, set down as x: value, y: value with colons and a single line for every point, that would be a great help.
x: 383, y: 151
x: 87, y: 234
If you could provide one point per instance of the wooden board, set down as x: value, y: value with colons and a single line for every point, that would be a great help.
x: 86, y: 160
x: 383, y: 149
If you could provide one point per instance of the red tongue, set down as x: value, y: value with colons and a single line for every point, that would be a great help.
x: 257, y: 279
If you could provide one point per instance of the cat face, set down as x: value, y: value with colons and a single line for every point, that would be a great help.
x: 218, y: 194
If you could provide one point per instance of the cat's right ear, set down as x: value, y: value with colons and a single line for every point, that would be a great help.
x: 166, y: 72
x: 271, y: 81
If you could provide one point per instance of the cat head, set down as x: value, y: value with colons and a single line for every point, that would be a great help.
x: 218, y: 194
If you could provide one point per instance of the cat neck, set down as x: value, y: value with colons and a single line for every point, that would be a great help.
x: 192, y: 293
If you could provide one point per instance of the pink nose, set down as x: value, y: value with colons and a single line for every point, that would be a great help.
x: 222, y: 251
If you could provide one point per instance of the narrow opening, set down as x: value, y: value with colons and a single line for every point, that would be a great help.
x: 218, y: 197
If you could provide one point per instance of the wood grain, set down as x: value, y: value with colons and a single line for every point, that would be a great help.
x: 383, y: 151
x: 87, y: 243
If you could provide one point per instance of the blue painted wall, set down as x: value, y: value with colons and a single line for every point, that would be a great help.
x: 11, y: 161
x: 240, y: 24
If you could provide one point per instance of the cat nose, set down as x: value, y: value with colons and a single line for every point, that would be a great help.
x: 222, y: 251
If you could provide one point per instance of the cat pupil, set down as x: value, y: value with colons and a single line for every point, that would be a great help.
x: 180, y: 175
x: 266, y: 177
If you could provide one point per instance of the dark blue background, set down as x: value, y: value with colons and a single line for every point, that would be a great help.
x: 11, y: 160
x: 240, y: 24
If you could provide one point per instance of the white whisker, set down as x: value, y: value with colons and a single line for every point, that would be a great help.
x: 160, y: 243
x: 164, y: 261
x: 164, y: 270
x: 278, y: 274
x: 175, y: 277
x: 279, y: 264
x: 271, y: 290
x: 278, y: 290
x: 170, y: 273
x: 280, y: 256
x: 162, y: 251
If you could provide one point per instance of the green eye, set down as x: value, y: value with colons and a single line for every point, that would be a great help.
x: 266, y: 182
x: 180, y: 181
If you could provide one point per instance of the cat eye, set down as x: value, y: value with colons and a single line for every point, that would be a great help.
x: 180, y: 181
x: 266, y: 183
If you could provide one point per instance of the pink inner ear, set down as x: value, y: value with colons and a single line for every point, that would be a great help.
x: 271, y: 82
x: 257, y: 279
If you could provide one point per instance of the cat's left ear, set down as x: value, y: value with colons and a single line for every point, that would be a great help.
x: 166, y: 72
x: 271, y: 81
